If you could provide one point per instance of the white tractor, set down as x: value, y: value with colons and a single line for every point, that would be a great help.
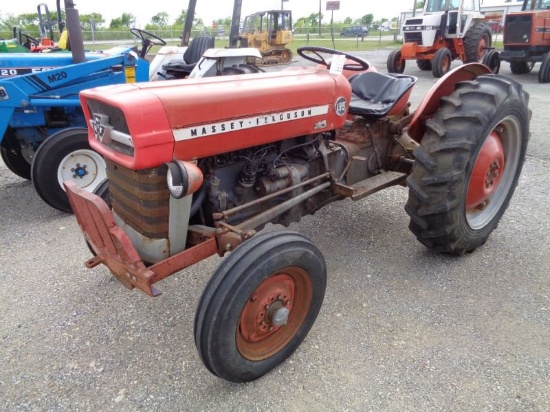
x: 446, y: 30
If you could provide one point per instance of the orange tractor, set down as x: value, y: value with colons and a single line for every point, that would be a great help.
x: 526, y: 41
x: 447, y: 30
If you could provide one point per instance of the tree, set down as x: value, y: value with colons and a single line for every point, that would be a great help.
x: 86, y: 21
x: 127, y: 20
x: 180, y: 21
x: 367, y: 19
x: 348, y: 21
x: 160, y: 19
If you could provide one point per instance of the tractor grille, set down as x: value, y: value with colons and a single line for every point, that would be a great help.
x: 413, y: 38
x: 517, y: 29
x: 140, y: 198
x: 413, y: 21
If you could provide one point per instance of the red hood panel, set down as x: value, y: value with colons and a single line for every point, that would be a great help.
x: 219, y: 114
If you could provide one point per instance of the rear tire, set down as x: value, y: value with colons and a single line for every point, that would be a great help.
x: 442, y: 62
x: 273, y: 276
x: 66, y: 155
x: 476, y: 42
x: 492, y: 61
x: 13, y: 157
x: 424, y: 64
x: 468, y: 164
x: 544, y: 70
x: 395, y: 63
x: 521, y: 67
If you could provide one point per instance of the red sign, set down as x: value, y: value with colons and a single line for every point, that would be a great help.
x: 333, y: 5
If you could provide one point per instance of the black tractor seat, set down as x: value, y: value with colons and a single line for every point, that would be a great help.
x: 192, y: 55
x: 375, y: 94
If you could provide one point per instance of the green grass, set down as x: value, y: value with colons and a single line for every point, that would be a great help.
x: 347, y: 45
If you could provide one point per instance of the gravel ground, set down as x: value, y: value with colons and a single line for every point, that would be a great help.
x: 401, y: 328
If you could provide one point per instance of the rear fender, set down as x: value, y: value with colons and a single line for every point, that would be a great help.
x: 444, y: 87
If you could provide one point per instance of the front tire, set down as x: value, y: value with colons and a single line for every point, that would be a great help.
x: 544, y: 69
x: 395, y: 63
x: 259, y: 305
x: 62, y: 156
x: 468, y: 164
x: 13, y: 156
x: 424, y: 64
x: 442, y: 62
x: 491, y: 59
x: 521, y: 67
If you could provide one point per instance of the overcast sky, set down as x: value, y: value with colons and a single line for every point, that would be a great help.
x: 214, y: 9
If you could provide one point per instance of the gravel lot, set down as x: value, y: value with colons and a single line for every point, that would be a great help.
x: 401, y: 328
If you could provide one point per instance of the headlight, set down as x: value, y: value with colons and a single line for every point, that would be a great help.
x: 183, y: 178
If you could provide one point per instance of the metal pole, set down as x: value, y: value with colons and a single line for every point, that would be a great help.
x: 189, y: 17
x: 235, y: 22
x: 319, y: 18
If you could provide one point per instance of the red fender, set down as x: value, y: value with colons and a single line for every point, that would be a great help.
x: 444, y: 87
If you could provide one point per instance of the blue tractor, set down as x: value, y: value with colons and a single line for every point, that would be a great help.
x: 43, y: 134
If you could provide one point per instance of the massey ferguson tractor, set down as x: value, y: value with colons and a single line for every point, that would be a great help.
x: 446, y: 31
x: 526, y: 41
x: 195, y: 170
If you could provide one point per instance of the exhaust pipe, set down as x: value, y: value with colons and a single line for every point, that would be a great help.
x: 75, y: 32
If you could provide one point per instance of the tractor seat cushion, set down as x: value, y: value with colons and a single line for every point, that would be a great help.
x: 374, y: 94
x: 179, y: 66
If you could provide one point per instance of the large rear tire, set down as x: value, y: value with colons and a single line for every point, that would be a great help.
x: 259, y: 305
x: 468, y: 164
x: 442, y: 62
x: 395, y: 63
x: 476, y: 42
x: 62, y: 156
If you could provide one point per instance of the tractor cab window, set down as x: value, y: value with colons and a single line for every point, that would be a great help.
x: 468, y: 5
x: 542, y: 5
x: 435, y: 5
x: 253, y: 24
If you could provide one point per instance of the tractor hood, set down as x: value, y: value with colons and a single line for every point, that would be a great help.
x: 142, y: 125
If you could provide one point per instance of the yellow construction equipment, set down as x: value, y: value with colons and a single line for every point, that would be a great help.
x: 269, y: 32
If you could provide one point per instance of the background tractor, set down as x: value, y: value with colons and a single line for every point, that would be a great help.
x: 185, y: 182
x: 446, y: 30
x: 270, y: 32
x: 526, y: 41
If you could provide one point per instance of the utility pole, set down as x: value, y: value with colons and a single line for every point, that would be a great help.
x: 319, y: 18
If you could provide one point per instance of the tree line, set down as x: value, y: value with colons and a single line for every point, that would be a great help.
x: 29, y: 23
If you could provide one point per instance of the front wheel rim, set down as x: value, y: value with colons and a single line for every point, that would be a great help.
x: 493, y: 173
x: 85, y: 167
x: 274, y: 313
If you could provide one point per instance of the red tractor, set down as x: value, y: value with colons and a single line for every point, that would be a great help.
x: 198, y: 167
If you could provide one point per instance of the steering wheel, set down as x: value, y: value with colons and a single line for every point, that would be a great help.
x: 147, y: 40
x: 30, y: 40
x: 316, y: 57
